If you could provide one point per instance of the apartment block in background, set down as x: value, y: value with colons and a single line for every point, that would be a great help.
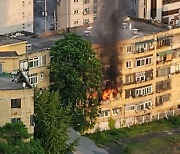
x: 75, y: 13
x: 165, y: 11
x: 141, y: 74
x: 16, y: 16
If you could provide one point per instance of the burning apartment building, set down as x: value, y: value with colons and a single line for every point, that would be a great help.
x: 141, y: 66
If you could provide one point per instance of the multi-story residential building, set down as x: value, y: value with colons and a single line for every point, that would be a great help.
x: 166, y: 11
x: 17, y: 102
x: 141, y: 74
x: 16, y: 16
x: 75, y: 13
x: 31, y: 60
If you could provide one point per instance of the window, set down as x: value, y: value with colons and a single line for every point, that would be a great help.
x: 15, y: 103
x: 144, y: 106
x: 129, y: 49
x: 104, y: 113
x: 76, y: 22
x: 129, y: 107
x: 164, y: 41
x: 35, y: 62
x: 33, y: 79
x: 176, y: 53
x: 144, y: 91
x: 129, y: 64
x: 143, y: 61
x: 163, y: 71
x: 95, y: 17
x: 76, y: 11
x: 86, y: 11
x: 175, y: 68
x: 86, y: 21
x: 13, y: 120
x: 129, y: 79
x: 161, y: 99
x: 86, y: 1
x: 41, y: 76
x: 163, y: 85
x: 105, y: 69
x: 31, y: 120
x: 116, y: 111
x: 140, y: 77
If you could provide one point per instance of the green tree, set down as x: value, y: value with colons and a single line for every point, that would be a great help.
x: 14, y: 138
x: 76, y: 74
x: 52, y: 123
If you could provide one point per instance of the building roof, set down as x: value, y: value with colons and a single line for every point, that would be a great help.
x: 8, y: 54
x: 5, y: 40
x: 144, y: 27
x: 7, y: 83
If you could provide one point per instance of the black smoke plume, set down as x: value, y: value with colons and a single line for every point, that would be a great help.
x: 107, y: 31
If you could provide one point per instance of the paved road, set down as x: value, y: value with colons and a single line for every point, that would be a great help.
x: 116, y: 147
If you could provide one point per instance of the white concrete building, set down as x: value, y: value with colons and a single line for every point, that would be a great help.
x: 16, y: 15
x: 165, y: 11
x: 74, y: 13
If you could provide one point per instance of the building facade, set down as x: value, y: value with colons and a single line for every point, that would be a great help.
x: 17, y: 103
x: 165, y: 11
x: 141, y: 76
x: 16, y: 16
x: 19, y: 55
x: 75, y: 13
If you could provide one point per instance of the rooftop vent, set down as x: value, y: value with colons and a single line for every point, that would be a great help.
x: 87, y: 32
x: 127, y: 19
x: 130, y: 26
x: 28, y: 46
x: 125, y: 24
x: 135, y: 30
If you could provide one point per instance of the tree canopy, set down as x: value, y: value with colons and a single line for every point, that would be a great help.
x: 52, y: 123
x: 14, y: 138
x: 76, y: 74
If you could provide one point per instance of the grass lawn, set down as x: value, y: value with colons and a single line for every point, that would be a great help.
x: 104, y: 137
x: 164, y: 145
